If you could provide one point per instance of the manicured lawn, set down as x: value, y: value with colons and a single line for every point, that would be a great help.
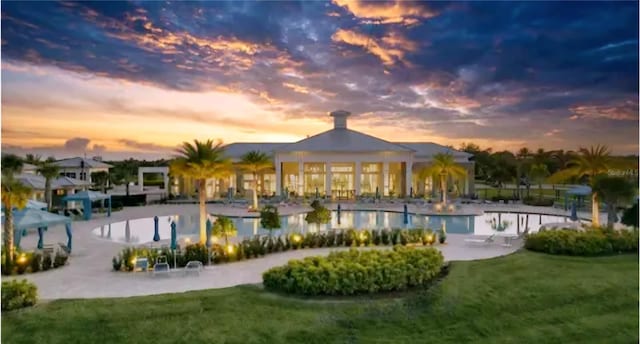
x: 522, y: 298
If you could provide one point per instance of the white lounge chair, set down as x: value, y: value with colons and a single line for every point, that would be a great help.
x: 487, y: 240
x: 193, y: 267
x: 161, y: 267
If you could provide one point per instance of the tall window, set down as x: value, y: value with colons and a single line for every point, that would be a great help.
x: 314, y: 178
x: 290, y: 177
x: 371, y: 178
x: 342, y: 180
x: 395, y: 179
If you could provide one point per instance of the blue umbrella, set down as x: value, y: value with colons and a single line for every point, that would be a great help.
x: 574, y: 212
x: 69, y: 235
x: 174, y: 236
x: 406, y: 215
x: 156, y: 234
x: 208, y: 228
x: 339, y: 208
x: 40, y: 243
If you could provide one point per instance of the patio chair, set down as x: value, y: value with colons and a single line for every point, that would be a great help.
x: 193, y: 267
x: 161, y: 267
x: 141, y: 264
x: 47, y: 249
x: 488, y: 240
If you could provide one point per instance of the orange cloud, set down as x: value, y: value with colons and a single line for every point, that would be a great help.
x: 398, y: 12
x: 296, y: 88
x: 623, y: 111
x: 390, y: 49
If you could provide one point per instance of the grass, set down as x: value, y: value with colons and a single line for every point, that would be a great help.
x: 522, y: 298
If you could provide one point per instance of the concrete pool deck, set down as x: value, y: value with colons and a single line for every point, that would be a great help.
x: 89, y: 273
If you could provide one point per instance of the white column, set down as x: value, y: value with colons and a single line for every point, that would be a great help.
x: 278, y: 178
x: 408, y: 178
x: 327, y: 180
x: 385, y: 178
x: 300, y: 178
x: 140, y: 180
x: 166, y: 182
x: 358, y: 177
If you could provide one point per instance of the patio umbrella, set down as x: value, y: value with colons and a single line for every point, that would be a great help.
x: 40, y: 243
x: 377, y: 193
x: 574, y: 212
x: 127, y: 232
x: 69, y: 235
x: 286, y: 193
x: 173, y: 236
x: 156, y: 234
x: 406, y: 215
x: 317, y: 193
x: 411, y: 192
x: 208, y: 228
x: 339, y: 208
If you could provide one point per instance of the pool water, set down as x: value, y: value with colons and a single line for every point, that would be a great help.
x: 139, y: 231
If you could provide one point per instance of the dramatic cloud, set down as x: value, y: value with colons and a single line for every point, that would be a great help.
x: 144, y: 76
x: 378, y: 12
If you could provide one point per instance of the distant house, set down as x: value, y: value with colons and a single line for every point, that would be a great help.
x: 81, y: 168
x: 29, y: 168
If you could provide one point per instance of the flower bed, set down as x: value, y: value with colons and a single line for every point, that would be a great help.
x: 591, y: 242
x: 356, y: 272
x: 259, y: 246
x: 31, y: 262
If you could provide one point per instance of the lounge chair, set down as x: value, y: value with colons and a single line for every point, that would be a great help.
x: 141, y: 264
x: 487, y: 240
x: 161, y: 267
x: 193, y: 267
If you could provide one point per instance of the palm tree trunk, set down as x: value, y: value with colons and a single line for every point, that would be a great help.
x: 8, y: 234
x: 595, y: 210
x: 255, y: 190
x: 540, y: 191
x: 127, y: 188
x: 443, y: 186
x: 612, y: 217
x: 202, y: 195
x: 47, y: 193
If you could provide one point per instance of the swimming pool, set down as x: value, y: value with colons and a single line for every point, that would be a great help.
x: 139, y: 231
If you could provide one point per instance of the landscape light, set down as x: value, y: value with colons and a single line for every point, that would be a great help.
x: 296, y: 238
x: 229, y: 249
x: 22, y: 259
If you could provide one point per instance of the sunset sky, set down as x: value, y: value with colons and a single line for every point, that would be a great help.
x: 122, y: 79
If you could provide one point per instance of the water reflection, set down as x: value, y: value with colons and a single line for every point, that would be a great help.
x: 139, y: 231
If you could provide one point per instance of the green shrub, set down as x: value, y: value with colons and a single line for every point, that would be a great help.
x: 116, y: 263
x: 442, y: 235
x: 46, y: 262
x: 18, y: 294
x: 356, y: 272
x: 385, y: 237
x: 59, y: 259
x: 196, y: 252
x: 36, y: 262
x: 591, y: 242
x: 269, y: 218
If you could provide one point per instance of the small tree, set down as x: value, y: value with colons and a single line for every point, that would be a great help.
x: 269, y: 218
x: 224, y: 227
x: 614, y: 191
x: 319, y: 215
x: 539, y: 172
x: 630, y: 216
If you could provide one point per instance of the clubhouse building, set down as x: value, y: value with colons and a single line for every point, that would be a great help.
x: 341, y: 164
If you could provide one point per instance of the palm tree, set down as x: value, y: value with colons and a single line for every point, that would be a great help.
x: 49, y: 171
x: 255, y: 162
x: 522, y: 156
x: 200, y: 161
x: 100, y: 180
x: 33, y: 159
x: 539, y: 172
x: 125, y: 172
x: 588, y: 163
x: 14, y: 196
x: 444, y: 167
x: 614, y: 191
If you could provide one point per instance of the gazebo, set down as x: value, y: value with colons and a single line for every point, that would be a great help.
x: 86, y: 197
x: 579, y: 193
x: 33, y: 218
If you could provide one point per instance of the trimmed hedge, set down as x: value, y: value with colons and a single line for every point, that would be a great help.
x: 356, y: 272
x: 539, y: 202
x: 18, y: 294
x: 592, y: 242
